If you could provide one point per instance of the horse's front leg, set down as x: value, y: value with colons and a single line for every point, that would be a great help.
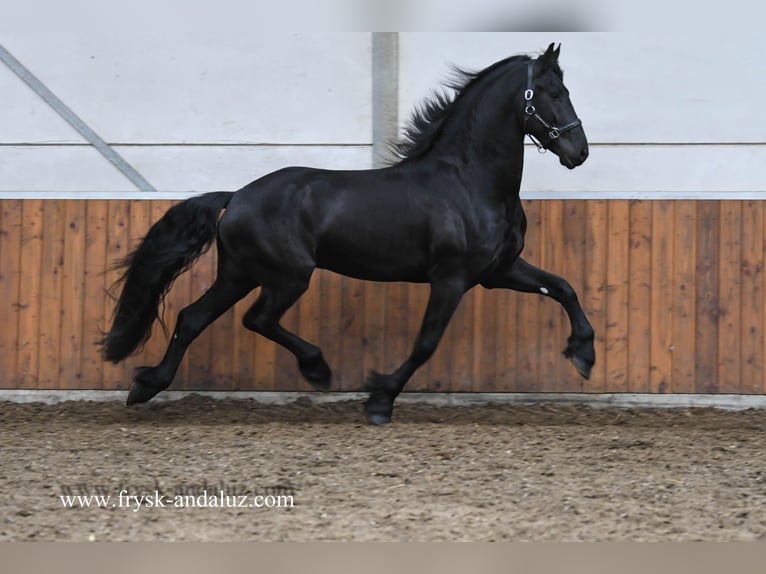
x: 521, y: 276
x: 444, y: 298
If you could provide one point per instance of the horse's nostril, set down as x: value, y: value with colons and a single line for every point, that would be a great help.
x: 584, y: 153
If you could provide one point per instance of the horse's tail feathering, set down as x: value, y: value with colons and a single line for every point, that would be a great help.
x: 183, y: 234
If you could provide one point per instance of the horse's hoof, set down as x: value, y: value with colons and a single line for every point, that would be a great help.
x: 380, y: 404
x: 317, y: 373
x: 140, y: 393
x: 378, y: 409
x: 583, y: 367
x: 378, y: 420
x: 321, y: 384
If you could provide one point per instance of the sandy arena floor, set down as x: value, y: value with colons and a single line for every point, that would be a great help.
x: 438, y: 473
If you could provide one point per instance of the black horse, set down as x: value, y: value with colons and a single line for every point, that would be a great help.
x: 447, y: 213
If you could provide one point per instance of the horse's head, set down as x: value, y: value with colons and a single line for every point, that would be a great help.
x: 549, y: 117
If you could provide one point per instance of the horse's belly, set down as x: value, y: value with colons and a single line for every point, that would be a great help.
x: 372, y: 268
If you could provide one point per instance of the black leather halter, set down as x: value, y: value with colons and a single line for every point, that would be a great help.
x: 554, y: 132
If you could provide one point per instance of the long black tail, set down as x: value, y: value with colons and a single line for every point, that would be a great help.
x: 184, y: 233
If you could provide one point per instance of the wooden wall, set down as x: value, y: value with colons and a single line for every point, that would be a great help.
x: 674, y: 290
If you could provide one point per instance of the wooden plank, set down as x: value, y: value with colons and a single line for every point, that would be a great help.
x: 508, y: 333
x: 504, y: 349
x: 97, y: 314
x: 661, y: 370
x: 617, y: 296
x: 594, y: 296
x: 477, y: 333
x: 263, y: 358
x: 569, y: 265
x: 221, y: 335
x: 72, y: 295
x: 286, y: 374
x: 52, y: 264
x: 263, y: 355
x: 200, y: 351
x: 243, y: 347
x: 729, y: 373
x: 762, y: 317
x: 417, y: 300
x: 397, y: 341
x: 440, y: 365
x: 684, y: 296
x: 528, y: 317
x: 640, y: 296
x: 117, y: 248
x: 707, y: 296
x: 308, y: 312
x: 752, y: 319
x: 352, y: 333
x: 552, y: 317
x: 457, y: 341
x: 10, y: 273
x: 330, y: 328
x: 29, y: 293
x: 574, y: 253
x: 309, y: 319
x: 374, y: 309
x: 485, y: 339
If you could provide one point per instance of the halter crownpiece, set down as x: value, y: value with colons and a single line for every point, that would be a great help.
x: 554, y: 132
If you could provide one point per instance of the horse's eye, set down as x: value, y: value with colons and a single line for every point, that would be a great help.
x: 555, y: 95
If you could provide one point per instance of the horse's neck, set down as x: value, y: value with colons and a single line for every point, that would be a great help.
x: 491, y: 167
x: 481, y: 137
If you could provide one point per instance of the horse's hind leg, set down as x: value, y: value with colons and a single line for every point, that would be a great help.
x: 192, y: 320
x: 263, y: 318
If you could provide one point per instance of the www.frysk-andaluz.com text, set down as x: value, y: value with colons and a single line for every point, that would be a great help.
x: 183, y: 496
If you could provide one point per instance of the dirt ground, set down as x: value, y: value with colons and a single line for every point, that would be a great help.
x: 438, y: 473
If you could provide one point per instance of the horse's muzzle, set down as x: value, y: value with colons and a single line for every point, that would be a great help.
x: 571, y: 161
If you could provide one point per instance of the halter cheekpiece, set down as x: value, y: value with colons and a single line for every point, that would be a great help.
x: 554, y: 132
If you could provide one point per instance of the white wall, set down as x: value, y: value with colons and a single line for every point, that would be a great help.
x: 191, y: 101
x: 205, y: 99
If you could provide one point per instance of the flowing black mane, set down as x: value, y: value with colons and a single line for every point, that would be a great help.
x: 429, y: 116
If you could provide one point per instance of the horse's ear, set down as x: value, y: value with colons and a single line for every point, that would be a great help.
x: 550, y: 51
x: 550, y: 56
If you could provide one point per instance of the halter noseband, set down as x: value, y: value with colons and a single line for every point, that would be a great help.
x: 554, y: 132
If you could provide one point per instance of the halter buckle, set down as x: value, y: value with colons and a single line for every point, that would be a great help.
x: 554, y: 133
